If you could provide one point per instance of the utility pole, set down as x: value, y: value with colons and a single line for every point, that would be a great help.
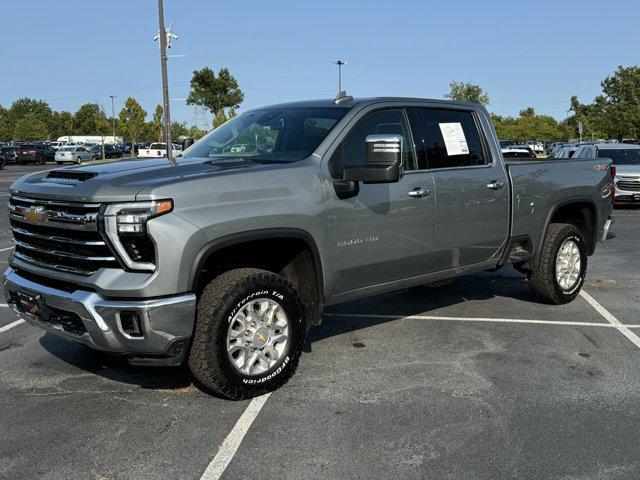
x: 340, y: 63
x: 113, y: 117
x: 162, y: 37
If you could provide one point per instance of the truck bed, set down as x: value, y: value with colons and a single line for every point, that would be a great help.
x: 540, y: 186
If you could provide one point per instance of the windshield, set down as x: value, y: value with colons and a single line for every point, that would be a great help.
x: 271, y: 135
x: 158, y: 146
x: 67, y: 149
x: 621, y: 156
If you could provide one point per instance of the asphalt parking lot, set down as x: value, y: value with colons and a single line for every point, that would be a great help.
x: 473, y: 380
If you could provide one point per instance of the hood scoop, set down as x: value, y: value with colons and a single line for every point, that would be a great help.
x: 236, y: 162
x: 69, y: 176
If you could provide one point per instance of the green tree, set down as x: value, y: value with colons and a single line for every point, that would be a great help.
x: 132, y: 121
x: 90, y: 119
x: 615, y: 113
x: 219, y: 118
x: 528, y: 126
x: 467, y: 92
x: 24, y: 106
x: 157, y: 121
x: 215, y: 93
x: 5, y: 134
x: 30, y: 127
x: 61, y: 124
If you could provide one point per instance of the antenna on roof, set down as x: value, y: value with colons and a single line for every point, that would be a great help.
x: 342, y: 97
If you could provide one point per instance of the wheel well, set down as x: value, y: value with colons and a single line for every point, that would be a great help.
x: 583, y: 216
x: 292, y: 258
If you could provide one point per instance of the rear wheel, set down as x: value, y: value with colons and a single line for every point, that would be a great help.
x: 249, y: 332
x: 560, y: 269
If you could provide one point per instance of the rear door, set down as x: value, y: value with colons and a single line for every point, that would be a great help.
x: 471, y: 186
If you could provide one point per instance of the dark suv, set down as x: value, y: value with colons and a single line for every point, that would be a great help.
x: 8, y: 153
x: 34, y: 153
x: 112, y: 151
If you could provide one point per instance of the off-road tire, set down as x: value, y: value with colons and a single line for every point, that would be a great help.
x: 219, y: 301
x: 542, y: 280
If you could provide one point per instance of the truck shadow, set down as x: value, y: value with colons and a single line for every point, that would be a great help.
x: 113, y: 367
x: 421, y: 300
x: 418, y: 300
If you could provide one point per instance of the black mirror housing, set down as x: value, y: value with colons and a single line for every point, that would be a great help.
x: 383, y: 161
x: 187, y: 143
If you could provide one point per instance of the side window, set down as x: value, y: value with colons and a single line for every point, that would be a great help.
x: 451, y: 138
x: 351, y: 151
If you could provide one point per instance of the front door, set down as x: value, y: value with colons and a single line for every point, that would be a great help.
x: 377, y: 232
x: 471, y: 187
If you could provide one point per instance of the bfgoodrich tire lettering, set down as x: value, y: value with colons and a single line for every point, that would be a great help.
x: 220, y: 301
x: 543, y: 280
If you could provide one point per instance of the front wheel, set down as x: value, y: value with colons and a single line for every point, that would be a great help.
x: 249, y: 333
x: 561, y: 267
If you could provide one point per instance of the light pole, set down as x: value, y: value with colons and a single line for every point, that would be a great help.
x: 162, y: 37
x: 340, y: 63
x: 113, y: 117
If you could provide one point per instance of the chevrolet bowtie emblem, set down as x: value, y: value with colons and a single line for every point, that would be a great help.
x: 261, y: 337
x: 35, y: 215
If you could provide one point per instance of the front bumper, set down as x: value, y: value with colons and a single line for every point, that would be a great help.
x: 86, y: 317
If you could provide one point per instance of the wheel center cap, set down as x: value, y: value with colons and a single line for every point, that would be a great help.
x: 261, y: 337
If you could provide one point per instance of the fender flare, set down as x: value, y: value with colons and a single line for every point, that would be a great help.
x: 252, y: 235
x: 564, y: 203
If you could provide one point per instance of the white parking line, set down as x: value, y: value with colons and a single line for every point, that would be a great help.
x: 230, y: 445
x: 5, y: 249
x: 623, y: 329
x: 479, y: 319
x: 11, y: 325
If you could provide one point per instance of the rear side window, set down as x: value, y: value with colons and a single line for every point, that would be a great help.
x: 351, y: 152
x: 450, y: 139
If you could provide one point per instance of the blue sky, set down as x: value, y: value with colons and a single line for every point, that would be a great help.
x: 523, y: 53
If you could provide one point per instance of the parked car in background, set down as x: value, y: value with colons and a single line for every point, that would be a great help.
x: 9, y: 154
x: 527, y: 148
x: 537, y: 147
x: 626, y: 167
x: 126, y: 147
x: 1, y: 160
x: 57, y: 145
x: 96, y: 152
x: 35, y: 153
x: 566, y: 152
x: 158, y: 150
x: 73, y: 155
x: 112, y: 151
x: 518, y: 151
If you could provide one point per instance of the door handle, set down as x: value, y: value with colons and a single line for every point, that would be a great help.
x: 495, y: 185
x: 418, y: 192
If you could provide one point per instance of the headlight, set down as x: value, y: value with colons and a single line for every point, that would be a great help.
x: 125, y: 226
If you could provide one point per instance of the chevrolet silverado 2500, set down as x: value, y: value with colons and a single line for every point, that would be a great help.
x: 224, y: 258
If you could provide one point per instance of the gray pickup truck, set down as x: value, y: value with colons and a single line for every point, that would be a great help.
x: 224, y: 258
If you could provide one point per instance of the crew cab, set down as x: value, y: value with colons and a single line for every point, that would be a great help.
x: 224, y: 257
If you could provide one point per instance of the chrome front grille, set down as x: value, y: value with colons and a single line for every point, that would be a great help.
x: 629, y: 184
x: 61, y: 236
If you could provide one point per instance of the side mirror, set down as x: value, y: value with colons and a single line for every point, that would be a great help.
x: 383, y: 161
x: 187, y: 143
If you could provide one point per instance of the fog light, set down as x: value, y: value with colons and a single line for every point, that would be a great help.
x: 131, y: 323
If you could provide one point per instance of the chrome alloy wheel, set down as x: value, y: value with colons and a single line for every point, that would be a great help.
x: 258, y: 336
x: 568, y: 264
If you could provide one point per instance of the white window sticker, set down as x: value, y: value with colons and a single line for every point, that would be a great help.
x: 454, y: 139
